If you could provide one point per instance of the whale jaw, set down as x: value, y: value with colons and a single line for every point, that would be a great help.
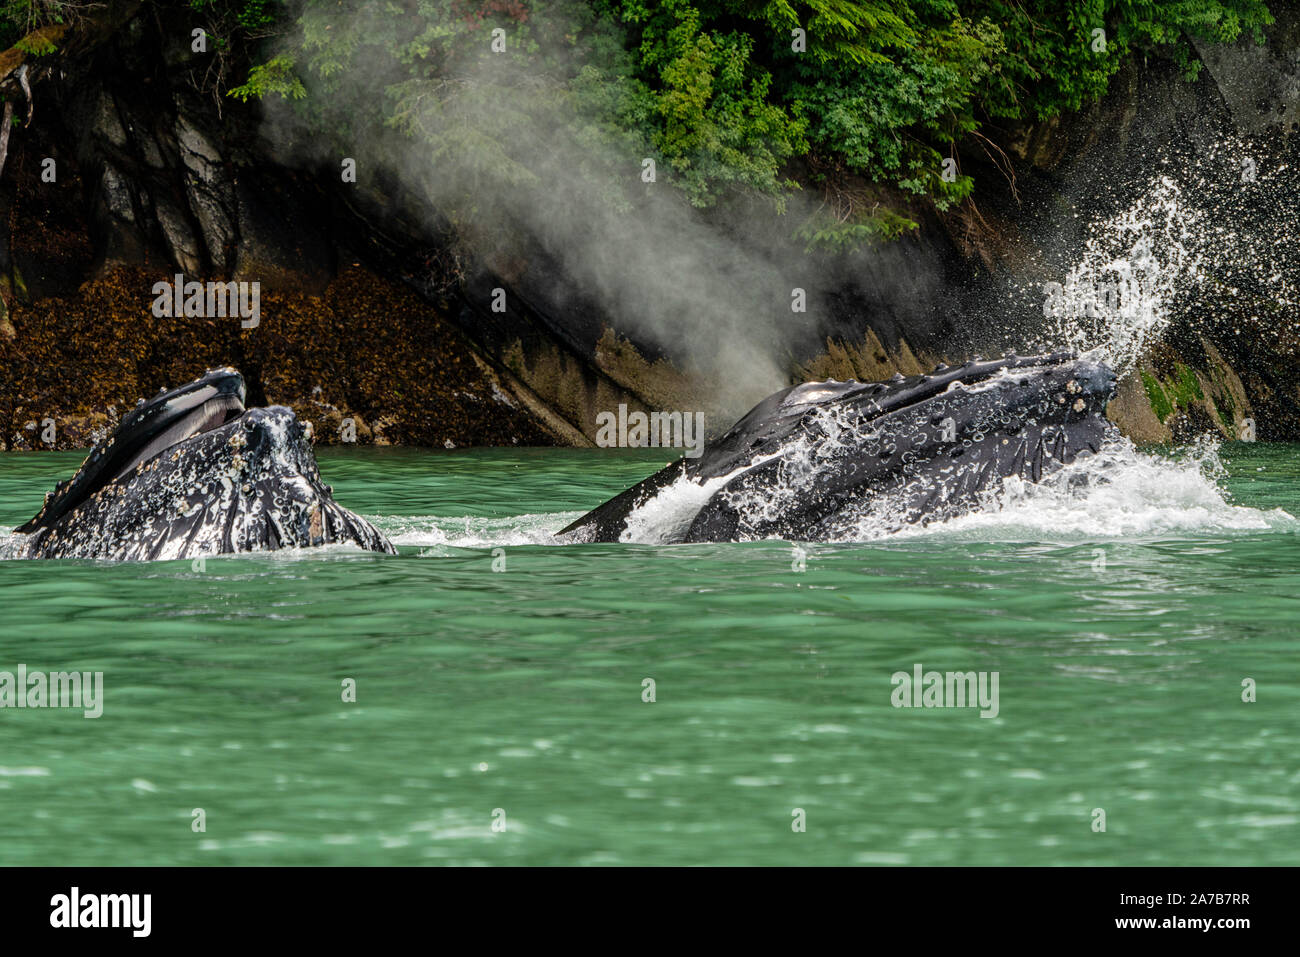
x: 809, y: 462
x: 152, y: 426
x: 250, y: 484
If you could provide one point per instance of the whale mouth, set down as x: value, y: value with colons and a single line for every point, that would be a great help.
x: 147, y: 431
x: 208, y: 414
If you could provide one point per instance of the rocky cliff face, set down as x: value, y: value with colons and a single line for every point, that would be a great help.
x: 374, y: 324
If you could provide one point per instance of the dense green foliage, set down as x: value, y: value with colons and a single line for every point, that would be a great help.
x: 726, y: 97
x: 20, y: 17
x: 865, y: 101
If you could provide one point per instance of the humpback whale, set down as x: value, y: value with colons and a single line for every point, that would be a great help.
x: 812, y: 462
x: 190, y: 473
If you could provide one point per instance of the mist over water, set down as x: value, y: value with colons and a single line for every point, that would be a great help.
x: 560, y: 198
x: 1188, y: 241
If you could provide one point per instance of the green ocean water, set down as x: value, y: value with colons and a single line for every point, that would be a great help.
x: 1121, y: 623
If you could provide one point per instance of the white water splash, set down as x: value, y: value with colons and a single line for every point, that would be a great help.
x: 668, y: 515
x: 1116, y: 300
x: 1120, y: 493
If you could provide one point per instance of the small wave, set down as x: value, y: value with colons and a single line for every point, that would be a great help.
x: 436, y: 532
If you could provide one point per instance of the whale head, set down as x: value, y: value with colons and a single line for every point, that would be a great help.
x: 807, y: 462
x: 190, y: 473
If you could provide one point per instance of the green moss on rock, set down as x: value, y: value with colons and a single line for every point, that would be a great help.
x: 1160, y: 403
x: 1185, y: 388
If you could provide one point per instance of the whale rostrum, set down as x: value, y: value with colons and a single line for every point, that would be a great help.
x: 809, y: 462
